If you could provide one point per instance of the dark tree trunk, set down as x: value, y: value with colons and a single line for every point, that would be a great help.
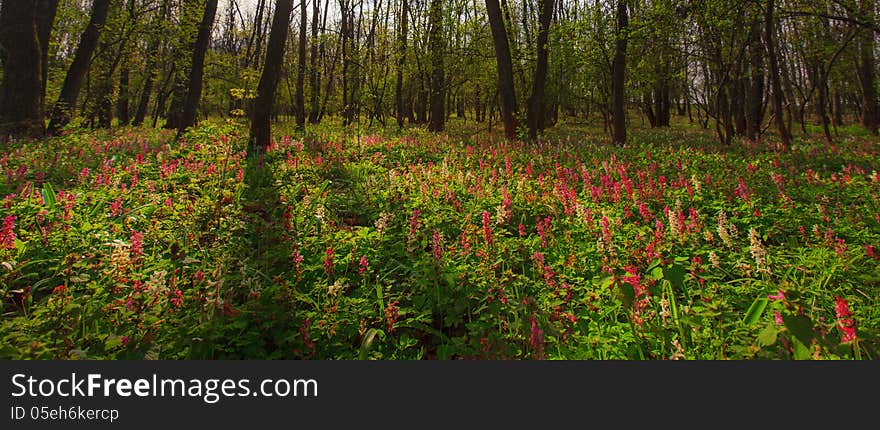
x: 122, y: 101
x: 438, y: 85
x: 775, y: 83
x: 401, y: 60
x: 301, y: 74
x: 536, y: 115
x: 870, y: 111
x: 618, y: 76
x: 21, y: 112
x: 189, y: 114
x: 315, y: 76
x: 260, y: 133
x: 63, y: 110
x: 755, y: 101
x: 46, y: 12
x: 505, y: 68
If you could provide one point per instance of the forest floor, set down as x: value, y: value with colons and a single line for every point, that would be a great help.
x: 351, y: 243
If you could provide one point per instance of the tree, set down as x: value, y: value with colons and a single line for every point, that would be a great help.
x: 618, y: 75
x: 775, y: 84
x: 401, y: 61
x: 301, y: 75
x: 189, y: 113
x: 536, y: 114
x: 505, y: 68
x: 63, y: 110
x: 21, y: 111
x: 870, y: 111
x: 438, y: 86
x: 260, y: 132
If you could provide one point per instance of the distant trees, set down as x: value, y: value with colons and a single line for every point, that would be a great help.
x: 739, y: 67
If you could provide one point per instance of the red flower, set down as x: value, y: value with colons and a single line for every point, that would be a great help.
x: 328, y: 261
x: 7, y: 232
x: 137, y: 244
x: 363, y: 265
x: 844, y: 319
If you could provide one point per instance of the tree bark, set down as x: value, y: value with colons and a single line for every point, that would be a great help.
x: 870, y: 111
x: 47, y: 9
x: 535, y: 116
x: 769, y: 31
x: 260, y: 133
x: 401, y: 60
x: 618, y: 76
x: 189, y: 114
x: 755, y: 102
x: 63, y: 110
x: 505, y: 68
x: 301, y: 74
x: 438, y: 84
x: 315, y: 77
x: 21, y: 112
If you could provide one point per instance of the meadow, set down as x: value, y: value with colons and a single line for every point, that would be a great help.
x: 350, y: 243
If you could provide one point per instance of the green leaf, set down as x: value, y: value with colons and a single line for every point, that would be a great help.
x: 367, y: 343
x: 801, y: 327
x: 767, y: 336
x: 49, y: 196
x: 755, y: 311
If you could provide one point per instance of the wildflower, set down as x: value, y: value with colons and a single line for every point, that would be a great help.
x: 778, y: 318
x: 487, y: 228
x: 759, y: 253
x: 536, y: 337
x: 844, y: 319
x: 328, y: 261
x: 381, y: 224
x: 778, y: 296
x: 437, y: 246
x: 392, y: 313
x: 7, y: 232
x: 724, y: 229
x: 870, y: 252
x: 714, y: 260
x: 363, y: 264
x: 136, y: 249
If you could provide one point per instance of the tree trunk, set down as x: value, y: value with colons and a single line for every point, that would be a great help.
x: 63, y: 110
x: 189, y: 114
x: 401, y: 60
x: 46, y: 11
x: 438, y: 86
x: 260, y: 133
x: 315, y: 77
x: 618, y: 76
x: 505, y: 68
x: 870, y: 112
x: 535, y: 116
x: 21, y: 112
x: 775, y: 83
x: 301, y: 75
x: 755, y: 102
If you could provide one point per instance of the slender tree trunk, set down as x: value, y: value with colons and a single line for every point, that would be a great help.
x: 122, y: 101
x: 755, y: 110
x: 260, y: 133
x: 535, y: 116
x: 315, y: 77
x: 301, y: 74
x: 189, y: 114
x: 401, y: 60
x: 618, y: 76
x: 21, y: 112
x: 63, y: 110
x: 438, y: 84
x: 505, y: 68
x: 769, y: 39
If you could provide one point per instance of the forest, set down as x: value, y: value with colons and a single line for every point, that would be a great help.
x: 440, y: 179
